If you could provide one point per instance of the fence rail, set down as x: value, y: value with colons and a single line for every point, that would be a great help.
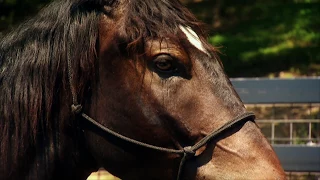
x: 278, y: 91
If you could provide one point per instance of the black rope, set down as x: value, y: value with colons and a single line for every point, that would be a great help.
x: 205, y: 140
x: 187, y: 153
x: 105, y: 129
x: 70, y: 77
x: 76, y: 109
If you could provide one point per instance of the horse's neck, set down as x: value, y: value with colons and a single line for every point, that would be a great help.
x: 74, y: 162
x: 63, y: 161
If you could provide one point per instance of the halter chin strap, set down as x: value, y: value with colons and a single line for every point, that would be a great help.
x: 187, y: 152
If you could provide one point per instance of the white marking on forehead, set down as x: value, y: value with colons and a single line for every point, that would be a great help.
x: 193, y: 38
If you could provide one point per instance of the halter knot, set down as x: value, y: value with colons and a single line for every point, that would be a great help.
x: 77, y: 109
x: 189, y: 152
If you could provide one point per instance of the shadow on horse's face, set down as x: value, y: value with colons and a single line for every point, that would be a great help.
x: 169, y: 91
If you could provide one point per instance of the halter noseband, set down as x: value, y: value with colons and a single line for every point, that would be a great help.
x: 187, y: 152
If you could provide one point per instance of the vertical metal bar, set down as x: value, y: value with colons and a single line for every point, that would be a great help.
x: 272, y: 132
x: 310, y: 132
x: 291, y: 133
x: 273, y: 124
x: 310, y: 125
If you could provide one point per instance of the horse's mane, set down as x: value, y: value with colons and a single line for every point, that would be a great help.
x: 33, y: 78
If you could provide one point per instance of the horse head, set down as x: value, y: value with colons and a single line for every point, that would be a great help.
x: 128, y: 85
x: 161, y: 83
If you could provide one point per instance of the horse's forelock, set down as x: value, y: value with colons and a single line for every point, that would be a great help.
x: 156, y: 19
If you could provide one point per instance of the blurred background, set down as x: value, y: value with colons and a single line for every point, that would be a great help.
x: 275, y: 46
x: 269, y: 38
x: 257, y: 38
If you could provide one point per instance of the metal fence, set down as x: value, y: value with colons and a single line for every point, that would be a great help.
x: 288, y: 113
x: 310, y: 137
x: 288, y: 110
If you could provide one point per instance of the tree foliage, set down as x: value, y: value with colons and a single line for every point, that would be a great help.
x: 264, y: 38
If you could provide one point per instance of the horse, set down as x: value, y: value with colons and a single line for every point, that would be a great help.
x: 128, y: 85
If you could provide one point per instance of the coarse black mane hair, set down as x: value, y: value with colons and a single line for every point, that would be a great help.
x: 34, y: 83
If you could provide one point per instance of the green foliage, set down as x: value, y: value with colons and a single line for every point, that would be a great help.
x: 261, y: 38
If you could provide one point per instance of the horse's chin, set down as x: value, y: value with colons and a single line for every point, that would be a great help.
x: 211, y: 172
x: 206, y: 172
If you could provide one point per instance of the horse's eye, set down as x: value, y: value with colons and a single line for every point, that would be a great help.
x: 164, y: 63
x: 167, y: 66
